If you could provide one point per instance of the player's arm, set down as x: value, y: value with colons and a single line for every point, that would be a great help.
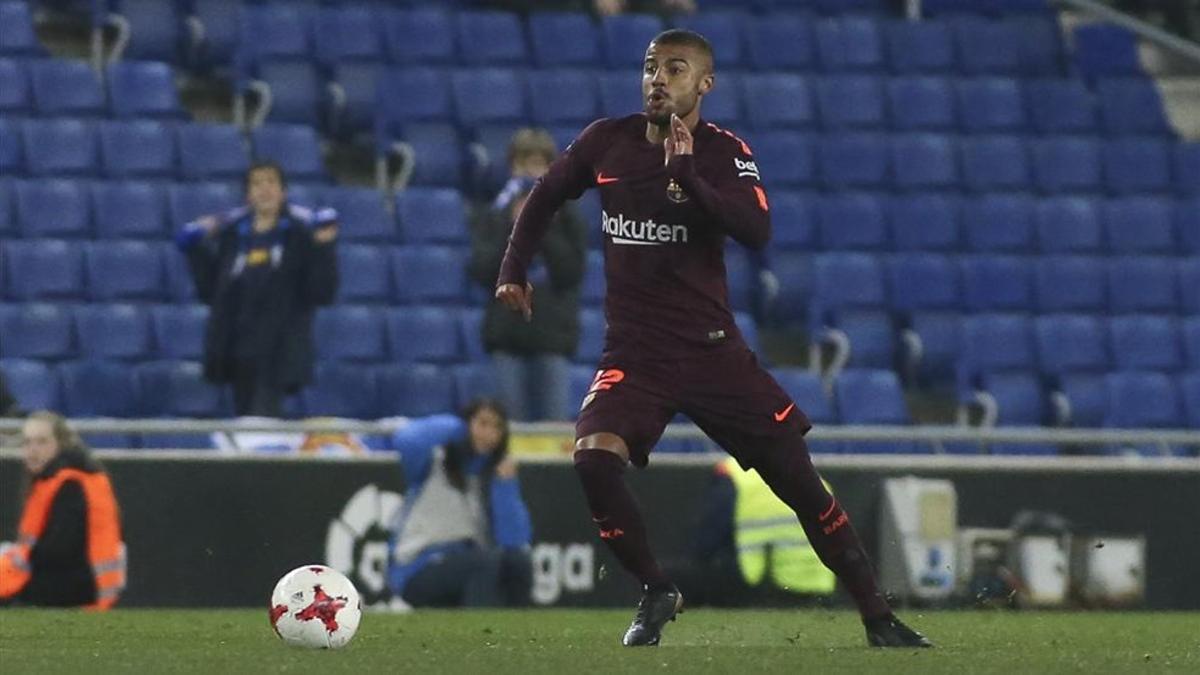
x: 416, y: 441
x: 737, y: 202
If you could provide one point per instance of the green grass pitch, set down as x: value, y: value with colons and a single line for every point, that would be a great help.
x: 588, y: 641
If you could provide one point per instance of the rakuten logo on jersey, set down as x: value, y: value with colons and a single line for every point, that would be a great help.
x: 642, y: 233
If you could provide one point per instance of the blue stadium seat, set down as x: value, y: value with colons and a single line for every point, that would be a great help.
x: 1137, y: 165
x: 1139, y: 225
x: 432, y: 216
x: 924, y: 162
x: 780, y: 41
x: 113, y: 331
x: 12, y: 153
x: 926, y: 295
x: 1191, y: 341
x: 489, y: 96
x: 1106, y: 50
x: 995, y: 163
x: 66, y: 87
x: 343, y: 390
x: 853, y: 221
x: 1085, y: 397
x: 351, y: 333
x: 1061, y: 106
x: 986, y: 46
x: 472, y: 381
x: 490, y: 38
x: 1039, y: 44
x: 179, y: 330
x: 1189, y: 285
x: 926, y: 222
x: 429, y: 274
x: 920, y: 47
x: 52, y: 207
x: 357, y: 85
x: 34, y: 384
x: 96, y: 388
x: 850, y: 296
x: 999, y: 223
x: 188, y: 201
x: 560, y: 39
x: 1071, y: 343
x: 592, y: 327
x: 1132, y: 106
x: 423, y: 333
x: 295, y: 147
x: 1070, y: 283
x: 777, y: 100
x: 364, y: 275
x: 995, y: 343
x: 297, y: 92
x: 921, y: 103
x: 1019, y: 401
x: 352, y: 33
x: 1187, y: 223
x: 16, y: 30
x: 591, y: 292
x: 620, y: 96
x: 412, y: 94
x: 211, y: 151
x: 470, y: 333
x: 126, y: 269
x: 991, y: 104
x: 850, y: 43
x: 59, y: 147
x: 420, y: 35
x: 575, y: 97
x: 44, y: 269
x: 143, y: 89
x: 415, y: 389
x: 129, y: 209
x: 155, y: 29
x: 15, y: 98
x: 276, y: 32
x: 8, y: 225
x: 785, y: 158
x: 793, y: 220
x: 808, y: 393
x: 180, y: 287
x: 438, y: 152
x: 220, y: 21
x: 580, y: 378
x: 793, y: 270
x: 1066, y: 164
x: 1189, y: 387
x: 1142, y: 284
x: 35, y: 330
x: 1143, y: 400
x: 850, y: 101
x: 723, y: 103
x: 867, y: 396
x: 362, y: 215
x: 997, y: 283
x: 489, y: 170
x: 624, y: 38
x: 1186, y: 167
x: 1146, y: 342
x: 1068, y: 225
x: 853, y: 160
x: 137, y: 149
x: 723, y: 29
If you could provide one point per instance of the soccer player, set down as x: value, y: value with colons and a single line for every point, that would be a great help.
x: 672, y: 188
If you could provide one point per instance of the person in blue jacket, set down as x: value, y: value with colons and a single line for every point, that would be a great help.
x: 461, y: 538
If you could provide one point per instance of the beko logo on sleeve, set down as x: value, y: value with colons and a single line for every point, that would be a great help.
x: 746, y: 168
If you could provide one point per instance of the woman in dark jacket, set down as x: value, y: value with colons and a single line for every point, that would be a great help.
x: 263, y: 268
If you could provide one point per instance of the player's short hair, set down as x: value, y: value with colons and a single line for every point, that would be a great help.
x: 686, y: 38
x: 529, y: 141
x: 266, y: 164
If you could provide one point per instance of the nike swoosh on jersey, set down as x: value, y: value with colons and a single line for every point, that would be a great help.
x: 601, y: 179
x: 783, y: 414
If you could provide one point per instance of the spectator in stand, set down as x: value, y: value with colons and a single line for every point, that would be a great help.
x: 69, y: 551
x: 462, y: 537
x: 531, y: 357
x: 263, y: 269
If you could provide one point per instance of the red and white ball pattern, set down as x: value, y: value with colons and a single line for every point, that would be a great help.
x: 315, y: 606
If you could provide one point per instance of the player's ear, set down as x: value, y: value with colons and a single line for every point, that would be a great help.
x: 707, y: 82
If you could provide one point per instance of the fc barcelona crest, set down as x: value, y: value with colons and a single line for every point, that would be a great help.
x: 676, y: 193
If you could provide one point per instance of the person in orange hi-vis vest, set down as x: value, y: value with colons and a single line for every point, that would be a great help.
x: 69, y: 551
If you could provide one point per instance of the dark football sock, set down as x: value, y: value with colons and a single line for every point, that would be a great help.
x: 790, y: 474
x: 616, y: 513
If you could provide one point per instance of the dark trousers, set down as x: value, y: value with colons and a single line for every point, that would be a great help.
x: 255, y: 391
x: 473, y: 577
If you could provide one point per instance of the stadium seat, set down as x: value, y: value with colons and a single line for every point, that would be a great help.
x: 420, y: 35
x: 1187, y: 224
x: 808, y: 393
x: 780, y: 41
x: 364, y: 275
x: 143, y: 89
x: 1186, y: 165
x: 295, y: 147
x: 559, y: 39
x: 986, y: 46
x: 113, y: 331
x: 1068, y: 225
x: 35, y: 330
x: 920, y: 103
x: 999, y: 223
x: 1132, y: 106
x: 432, y: 216
x: 66, y: 87
x: 180, y: 286
x: 44, y: 269
x: 491, y: 38
x: 991, y: 104
x: 850, y: 101
x: 1146, y: 342
x: 853, y: 221
x: 1061, y: 106
x: 994, y: 343
x: 16, y: 30
x: 473, y: 381
x: 850, y: 43
x: 1139, y: 400
x: 924, y: 162
x: 1139, y: 225
x: 211, y: 151
x: 850, y: 297
x: 1066, y: 164
x: 350, y: 33
x: 52, y: 207
x: 1071, y: 343
x: 793, y: 219
x: 276, y: 32
x: 438, y: 154
x: 1039, y: 44
x: 351, y: 333
x: 619, y: 96
x: 15, y: 97
x: 120, y: 270
x: 591, y: 292
x: 137, y: 149
x: 129, y: 209
x: 423, y: 333
x: 155, y: 29
x: 488, y: 96
x: 297, y: 92
x: 592, y: 328
x: 12, y: 160
x: 723, y: 29
x: 356, y: 87
x: 723, y: 103
x: 785, y: 158
x: 470, y: 334
x: 777, y: 100
x: 220, y: 21
x: 343, y: 390
x: 362, y: 216
x: 793, y: 270
x: 1189, y: 285
x: 489, y: 168
x: 179, y: 330
x: 581, y: 377
x: 1067, y: 283
x: 59, y: 147
x: 1019, y: 401
x: 8, y: 225
x: 575, y: 95
x: 993, y: 162
x: 866, y: 396
x: 624, y: 37
x: 429, y: 274
x: 997, y: 283
x: 1085, y: 398
x: 925, y: 292
x: 920, y: 47
x: 96, y: 388
x: 188, y: 201
x: 1142, y: 284
x: 1189, y: 387
x: 853, y: 160
x: 1106, y: 50
x: 415, y: 389
x: 34, y: 384
x: 926, y: 222
x: 1137, y: 165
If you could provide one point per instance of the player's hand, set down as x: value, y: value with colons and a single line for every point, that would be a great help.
x: 506, y: 468
x: 679, y: 141
x: 516, y: 298
x: 210, y: 224
x: 326, y: 233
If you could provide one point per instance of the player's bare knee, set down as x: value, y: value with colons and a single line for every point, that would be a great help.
x: 603, y: 441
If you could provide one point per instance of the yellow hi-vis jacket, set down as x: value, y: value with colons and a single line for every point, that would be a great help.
x: 763, y: 526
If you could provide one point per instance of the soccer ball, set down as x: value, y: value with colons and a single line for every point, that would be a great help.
x: 315, y: 606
